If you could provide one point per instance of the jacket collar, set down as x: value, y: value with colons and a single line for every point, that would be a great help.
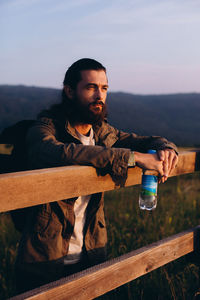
x: 70, y: 129
x: 104, y: 134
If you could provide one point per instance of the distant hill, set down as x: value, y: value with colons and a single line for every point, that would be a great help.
x: 175, y: 116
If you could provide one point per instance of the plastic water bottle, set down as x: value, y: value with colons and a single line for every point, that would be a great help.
x: 148, y: 194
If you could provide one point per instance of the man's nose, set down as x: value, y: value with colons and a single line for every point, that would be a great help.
x: 99, y: 94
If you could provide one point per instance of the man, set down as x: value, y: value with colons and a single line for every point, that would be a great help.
x: 67, y: 236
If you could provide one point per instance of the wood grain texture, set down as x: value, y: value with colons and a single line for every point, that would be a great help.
x: 23, y: 189
x: 100, y: 279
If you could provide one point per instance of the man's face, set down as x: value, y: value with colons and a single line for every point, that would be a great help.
x: 90, y: 95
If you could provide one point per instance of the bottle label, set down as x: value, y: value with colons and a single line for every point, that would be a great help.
x: 149, y: 185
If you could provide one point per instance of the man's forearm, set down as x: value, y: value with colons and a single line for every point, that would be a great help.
x: 143, y: 143
x: 164, y: 161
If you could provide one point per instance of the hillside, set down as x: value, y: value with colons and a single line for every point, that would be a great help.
x: 174, y: 116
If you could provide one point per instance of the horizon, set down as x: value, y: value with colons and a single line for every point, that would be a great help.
x: 109, y: 91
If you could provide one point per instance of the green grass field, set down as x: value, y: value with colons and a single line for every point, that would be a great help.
x: 130, y: 228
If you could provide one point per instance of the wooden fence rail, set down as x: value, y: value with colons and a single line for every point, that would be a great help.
x: 105, y: 277
x: 23, y: 189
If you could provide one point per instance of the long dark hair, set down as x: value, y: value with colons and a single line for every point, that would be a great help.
x: 73, y: 74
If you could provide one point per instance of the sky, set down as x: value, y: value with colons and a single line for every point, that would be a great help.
x: 147, y: 46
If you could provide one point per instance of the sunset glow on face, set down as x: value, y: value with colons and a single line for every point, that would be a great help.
x: 89, y: 97
x: 92, y: 89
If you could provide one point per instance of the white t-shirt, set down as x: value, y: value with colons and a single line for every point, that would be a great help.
x: 76, y: 241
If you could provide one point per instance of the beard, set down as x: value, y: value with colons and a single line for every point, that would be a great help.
x: 93, y: 113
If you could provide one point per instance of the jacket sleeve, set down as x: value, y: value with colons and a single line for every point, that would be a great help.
x: 142, y: 143
x: 45, y: 150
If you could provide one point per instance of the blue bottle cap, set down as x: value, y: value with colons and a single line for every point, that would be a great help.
x: 151, y: 151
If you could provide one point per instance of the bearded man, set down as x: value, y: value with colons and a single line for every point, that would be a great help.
x: 67, y: 236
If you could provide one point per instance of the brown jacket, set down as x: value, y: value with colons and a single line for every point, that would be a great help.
x: 53, y: 142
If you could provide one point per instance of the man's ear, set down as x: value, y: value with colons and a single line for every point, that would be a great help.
x: 69, y: 91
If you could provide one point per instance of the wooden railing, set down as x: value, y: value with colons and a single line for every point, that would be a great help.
x: 29, y: 188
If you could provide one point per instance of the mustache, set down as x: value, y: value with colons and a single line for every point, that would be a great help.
x: 98, y: 102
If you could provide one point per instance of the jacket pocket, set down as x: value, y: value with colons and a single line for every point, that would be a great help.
x: 46, y: 224
x: 48, y: 238
x: 96, y: 236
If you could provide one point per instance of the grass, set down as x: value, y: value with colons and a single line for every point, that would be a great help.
x: 9, y: 239
x: 130, y: 228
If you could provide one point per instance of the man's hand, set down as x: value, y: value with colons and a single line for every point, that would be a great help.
x: 169, y: 159
x: 164, y: 161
